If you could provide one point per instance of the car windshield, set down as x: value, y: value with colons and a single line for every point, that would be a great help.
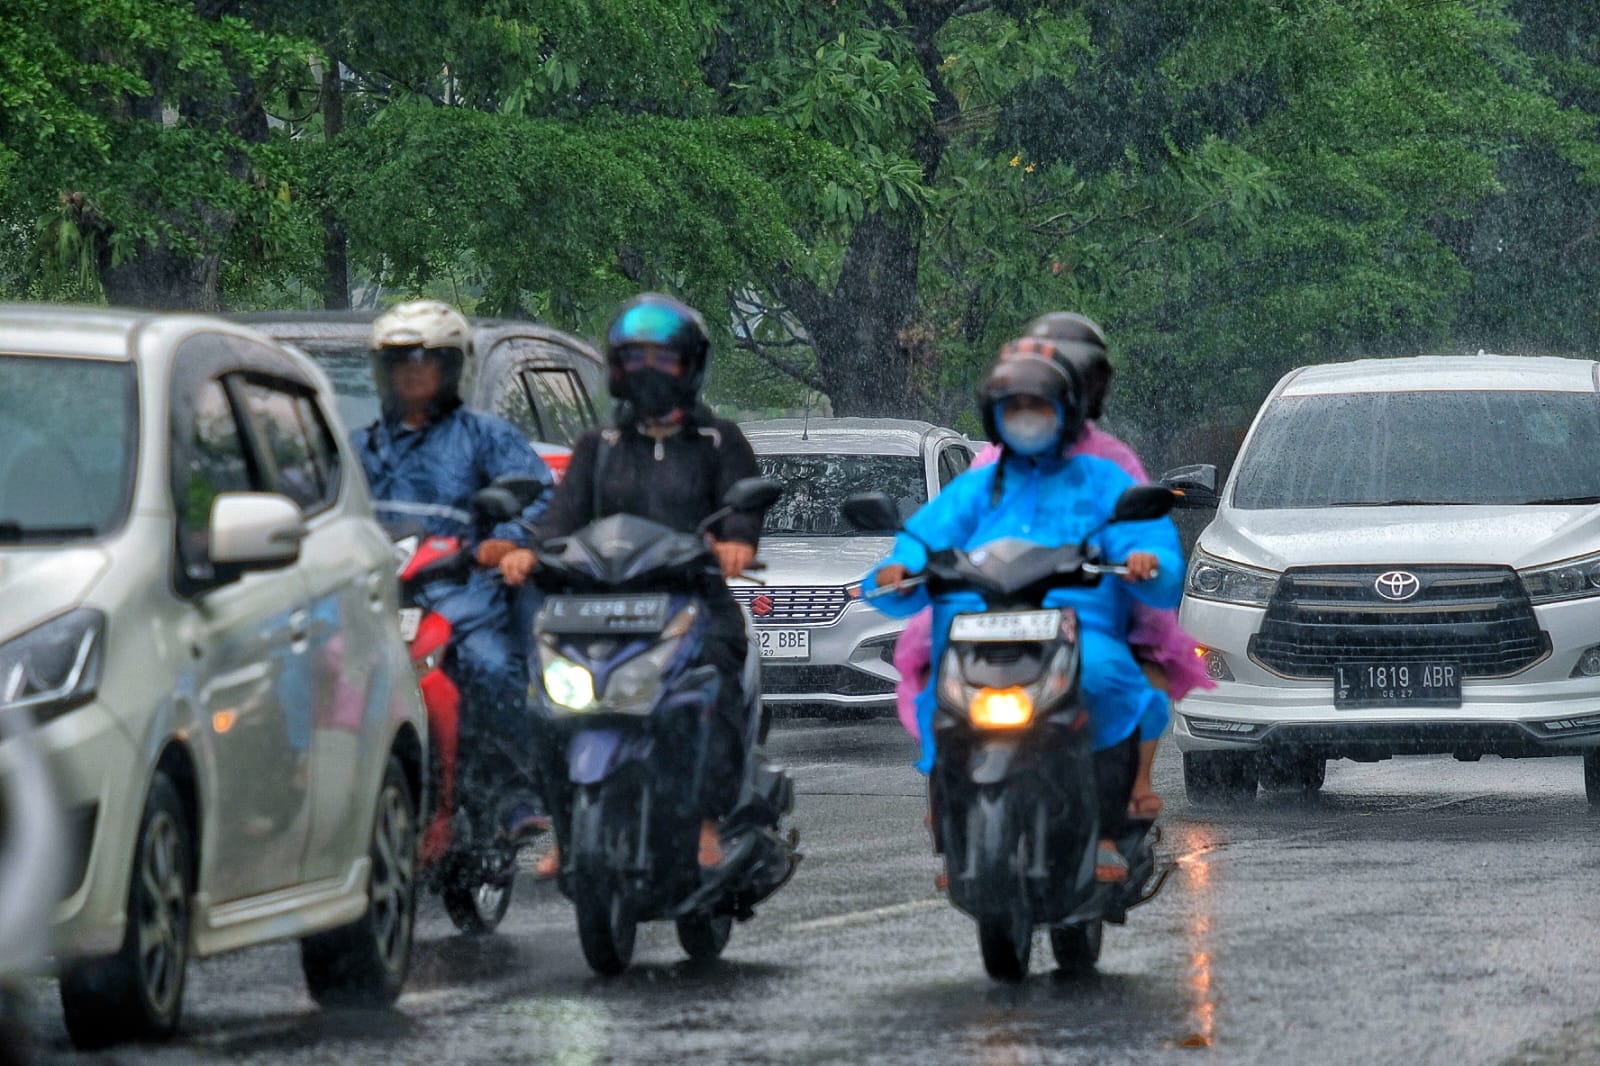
x: 70, y: 428
x: 816, y: 486
x: 1374, y: 449
x: 350, y: 369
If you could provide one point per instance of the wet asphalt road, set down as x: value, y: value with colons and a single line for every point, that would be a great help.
x: 1419, y: 911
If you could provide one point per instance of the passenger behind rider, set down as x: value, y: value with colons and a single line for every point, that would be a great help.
x: 1163, y: 649
x: 668, y: 459
x: 424, y: 459
x: 1032, y: 403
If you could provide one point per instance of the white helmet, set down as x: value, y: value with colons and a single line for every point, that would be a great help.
x: 415, y: 331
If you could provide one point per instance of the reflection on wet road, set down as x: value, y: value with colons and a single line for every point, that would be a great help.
x: 1420, y: 911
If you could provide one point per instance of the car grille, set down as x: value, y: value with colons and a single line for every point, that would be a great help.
x: 821, y: 681
x: 816, y: 605
x: 1477, y: 617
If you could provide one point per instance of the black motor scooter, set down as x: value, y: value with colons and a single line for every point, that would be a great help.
x: 629, y: 699
x: 1013, y: 787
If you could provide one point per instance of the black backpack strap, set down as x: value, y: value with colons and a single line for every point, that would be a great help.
x: 602, y: 454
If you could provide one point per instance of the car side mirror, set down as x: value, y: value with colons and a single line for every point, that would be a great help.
x: 497, y: 503
x: 752, y: 494
x: 872, y: 512
x: 1143, y: 503
x: 1195, y: 485
x: 253, y: 531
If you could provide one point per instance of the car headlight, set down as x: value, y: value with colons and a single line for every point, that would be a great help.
x: 55, y: 666
x: 567, y: 684
x: 1569, y: 580
x: 1211, y: 578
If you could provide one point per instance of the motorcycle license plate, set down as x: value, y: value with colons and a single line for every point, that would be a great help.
x: 604, y: 614
x: 784, y: 643
x: 1006, y: 625
x: 410, y: 619
x: 1392, y: 684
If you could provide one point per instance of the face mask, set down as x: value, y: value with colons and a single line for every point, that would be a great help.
x: 1030, y: 432
x: 654, y: 394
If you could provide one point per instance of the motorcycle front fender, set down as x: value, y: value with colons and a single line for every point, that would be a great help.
x: 992, y: 760
x: 595, y: 754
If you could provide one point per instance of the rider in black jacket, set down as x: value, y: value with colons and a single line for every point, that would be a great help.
x: 668, y: 459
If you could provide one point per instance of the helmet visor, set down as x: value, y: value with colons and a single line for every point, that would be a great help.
x: 646, y: 323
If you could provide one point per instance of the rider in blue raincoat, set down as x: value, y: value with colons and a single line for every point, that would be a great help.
x: 424, y: 459
x: 1032, y: 404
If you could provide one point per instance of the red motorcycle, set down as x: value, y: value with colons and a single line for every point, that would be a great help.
x: 462, y: 855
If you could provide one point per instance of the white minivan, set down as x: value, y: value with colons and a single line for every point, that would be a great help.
x: 1404, y: 560
x: 199, y: 611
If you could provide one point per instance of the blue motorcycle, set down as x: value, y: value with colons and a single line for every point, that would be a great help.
x: 629, y: 700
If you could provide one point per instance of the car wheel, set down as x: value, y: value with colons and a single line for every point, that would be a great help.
x: 137, y: 994
x: 364, y: 964
x: 1293, y: 773
x: 1591, y: 776
x: 1211, y: 777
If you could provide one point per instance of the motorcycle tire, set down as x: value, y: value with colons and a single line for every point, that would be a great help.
x: 704, y: 936
x: 1077, y: 947
x: 603, y: 838
x: 475, y: 906
x: 1005, y: 939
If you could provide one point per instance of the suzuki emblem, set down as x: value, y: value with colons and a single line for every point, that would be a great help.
x: 761, y: 605
x: 1397, y: 585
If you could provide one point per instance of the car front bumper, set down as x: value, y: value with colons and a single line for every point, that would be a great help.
x: 850, y: 667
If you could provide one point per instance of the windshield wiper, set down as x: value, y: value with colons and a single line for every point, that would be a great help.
x: 16, y: 533
x: 1389, y: 503
x: 1554, y: 500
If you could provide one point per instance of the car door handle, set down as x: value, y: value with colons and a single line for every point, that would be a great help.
x: 300, y: 630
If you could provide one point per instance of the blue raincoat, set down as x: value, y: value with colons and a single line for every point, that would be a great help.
x: 428, y: 476
x: 1051, y: 501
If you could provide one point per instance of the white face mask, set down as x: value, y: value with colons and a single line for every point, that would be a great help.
x: 1030, y: 432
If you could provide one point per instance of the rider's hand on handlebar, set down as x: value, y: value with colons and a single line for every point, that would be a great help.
x: 1142, y: 566
x: 733, y: 556
x: 517, y: 564
x: 490, y: 552
x: 893, y: 576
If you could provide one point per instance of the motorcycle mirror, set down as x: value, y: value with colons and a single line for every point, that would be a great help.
x: 752, y: 494
x: 524, y: 488
x: 497, y: 503
x: 1142, y: 503
x: 872, y: 512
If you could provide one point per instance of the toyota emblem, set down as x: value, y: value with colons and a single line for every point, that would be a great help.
x: 1397, y: 585
x: 761, y: 605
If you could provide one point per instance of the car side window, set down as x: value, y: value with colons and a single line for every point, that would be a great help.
x: 564, y: 409
x: 210, y: 459
x: 953, y: 461
x: 296, y: 442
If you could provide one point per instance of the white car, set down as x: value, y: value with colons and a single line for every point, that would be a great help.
x: 1405, y: 560
x: 200, y: 613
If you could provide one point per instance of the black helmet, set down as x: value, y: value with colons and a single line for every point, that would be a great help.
x: 1033, y: 367
x: 656, y: 319
x: 1083, y: 343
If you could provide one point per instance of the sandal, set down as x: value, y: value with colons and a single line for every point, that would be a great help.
x: 549, y: 865
x: 1109, y: 865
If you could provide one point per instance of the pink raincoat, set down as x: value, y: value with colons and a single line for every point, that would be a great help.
x: 1154, y: 635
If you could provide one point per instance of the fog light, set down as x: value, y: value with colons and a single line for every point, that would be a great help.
x: 1216, y: 665
x: 1221, y: 728
x: 1586, y: 723
x: 1588, y: 663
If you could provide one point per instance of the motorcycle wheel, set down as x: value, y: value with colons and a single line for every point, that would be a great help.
x: 1077, y: 947
x: 1006, y: 940
x: 601, y: 848
x: 476, y: 906
x: 703, y: 936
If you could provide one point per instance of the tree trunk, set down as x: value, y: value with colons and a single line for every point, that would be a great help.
x: 161, y: 279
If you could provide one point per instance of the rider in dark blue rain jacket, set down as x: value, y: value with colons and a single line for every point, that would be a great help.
x: 424, y: 459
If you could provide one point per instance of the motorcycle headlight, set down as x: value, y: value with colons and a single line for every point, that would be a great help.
x: 1569, y: 580
x: 636, y: 685
x: 55, y: 666
x: 1211, y: 578
x: 1001, y: 708
x: 568, y: 685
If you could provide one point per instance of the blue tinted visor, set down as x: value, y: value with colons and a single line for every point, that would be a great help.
x: 646, y: 324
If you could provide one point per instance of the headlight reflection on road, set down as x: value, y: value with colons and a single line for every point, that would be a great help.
x: 566, y: 1031
x: 1194, y: 868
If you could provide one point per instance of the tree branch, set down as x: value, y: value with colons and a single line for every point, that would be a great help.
x: 785, y: 366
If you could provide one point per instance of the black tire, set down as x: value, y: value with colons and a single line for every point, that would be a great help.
x: 1077, y: 947
x: 364, y: 964
x: 1591, y: 776
x: 602, y: 840
x: 703, y: 936
x: 1006, y: 940
x: 137, y: 994
x: 1007, y: 945
x: 1293, y: 773
x: 1211, y: 777
x: 475, y: 905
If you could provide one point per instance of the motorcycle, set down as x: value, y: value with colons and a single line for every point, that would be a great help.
x: 629, y: 700
x: 1013, y: 786
x: 31, y: 833
x: 462, y: 855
